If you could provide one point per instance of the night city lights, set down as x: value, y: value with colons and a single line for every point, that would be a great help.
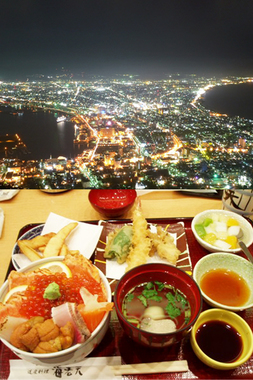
x: 129, y: 133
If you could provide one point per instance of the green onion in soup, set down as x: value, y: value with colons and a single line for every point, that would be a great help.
x: 156, y: 307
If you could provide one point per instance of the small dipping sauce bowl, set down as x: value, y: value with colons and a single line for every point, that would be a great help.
x: 222, y: 339
x: 225, y: 280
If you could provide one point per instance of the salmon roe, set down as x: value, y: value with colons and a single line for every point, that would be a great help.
x: 35, y: 305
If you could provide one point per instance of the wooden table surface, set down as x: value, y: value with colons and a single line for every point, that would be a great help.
x: 34, y: 206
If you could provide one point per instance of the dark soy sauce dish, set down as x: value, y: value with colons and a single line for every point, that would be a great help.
x: 222, y: 339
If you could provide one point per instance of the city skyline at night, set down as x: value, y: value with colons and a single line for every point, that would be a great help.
x: 125, y: 133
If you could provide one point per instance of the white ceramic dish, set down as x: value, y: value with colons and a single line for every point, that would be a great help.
x: 245, y: 226
x: 234, y: 263
x: 73, y: 354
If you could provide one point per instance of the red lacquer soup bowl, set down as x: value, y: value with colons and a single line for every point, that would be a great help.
x: 174, y: 278
x: 112, y: 203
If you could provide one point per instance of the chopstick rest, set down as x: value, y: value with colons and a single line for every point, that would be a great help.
x: 155, y: 367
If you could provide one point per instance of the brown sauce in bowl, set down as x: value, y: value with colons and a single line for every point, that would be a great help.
x: 225, y: 286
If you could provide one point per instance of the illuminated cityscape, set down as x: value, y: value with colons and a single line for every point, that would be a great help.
x: 130, y: 133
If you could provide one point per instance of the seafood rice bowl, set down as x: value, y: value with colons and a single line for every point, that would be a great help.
x: 55, y: 311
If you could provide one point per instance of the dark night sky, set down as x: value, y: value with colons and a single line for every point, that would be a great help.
x: 148, y: 37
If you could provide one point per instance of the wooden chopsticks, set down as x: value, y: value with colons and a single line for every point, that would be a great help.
x: 155, y: 367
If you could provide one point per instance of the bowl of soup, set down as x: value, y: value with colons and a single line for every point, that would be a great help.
x: 221, y: 230
x: 226, y: 281
x: 222, y: 339
x: 157, y: 304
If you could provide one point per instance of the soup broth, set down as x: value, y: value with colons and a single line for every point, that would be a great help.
x: 158, y: 301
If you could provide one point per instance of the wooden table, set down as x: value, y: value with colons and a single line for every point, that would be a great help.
x: 34, y: 206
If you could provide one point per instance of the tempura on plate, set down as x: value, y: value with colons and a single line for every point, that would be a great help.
x: 163, y: 244
x: 135, y: 244
x: 118, y: 245
x: 141, y: 243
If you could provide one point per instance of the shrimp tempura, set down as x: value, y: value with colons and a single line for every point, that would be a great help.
x: 141, y: 243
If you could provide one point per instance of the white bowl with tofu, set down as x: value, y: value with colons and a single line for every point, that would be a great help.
x: 221, y: 230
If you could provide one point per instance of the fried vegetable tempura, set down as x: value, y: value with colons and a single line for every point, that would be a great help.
x: 118, y: 245
x: 163, y: 244
x: 136, y: 244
